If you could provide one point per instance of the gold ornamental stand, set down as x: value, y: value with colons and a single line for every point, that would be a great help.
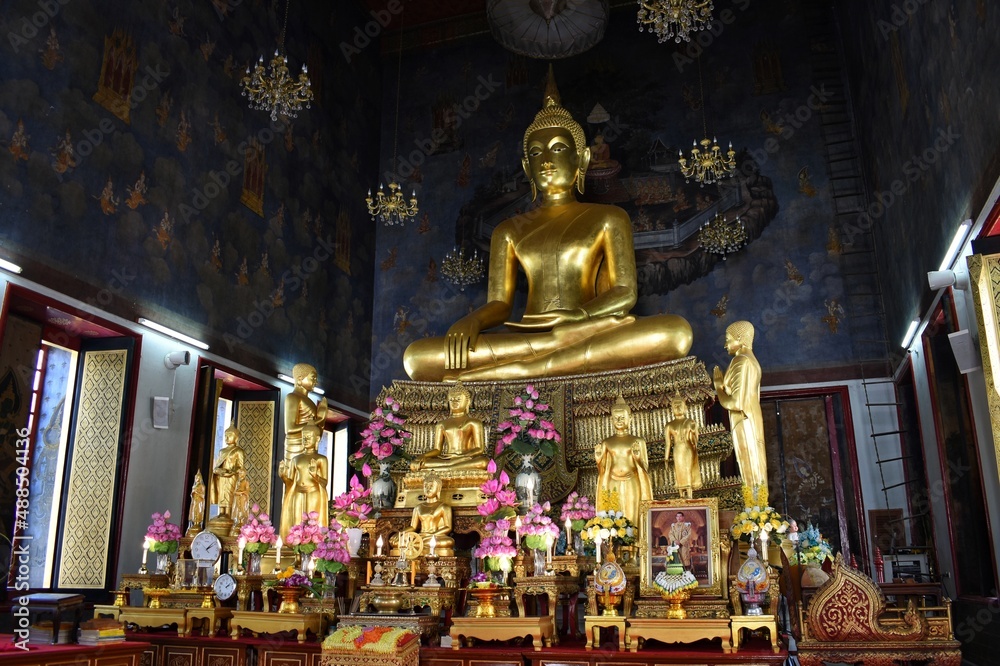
x: 541, y: 630
x: 272, y: 623
x: 679, y: 631
x: 751, y: 622
x: 591, y: 624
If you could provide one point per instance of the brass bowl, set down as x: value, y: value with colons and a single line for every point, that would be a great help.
x: 387, y: 601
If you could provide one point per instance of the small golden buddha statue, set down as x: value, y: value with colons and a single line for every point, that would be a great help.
x: 739, y: 393
x: 623, y: 466
x: 222, y: 490
x: 681, y: 437
x: 580, y: 265
x: 196, y: 511
x: 432, y: 518
x: 300, y: 411
x: 306, y: 478
x: 459, y: 443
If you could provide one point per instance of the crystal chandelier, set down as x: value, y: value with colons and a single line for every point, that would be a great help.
x: 272, y: 88
x: 392, y: 208
x: 707, y: 165
x: 721, y: 237
x: 461, y: 270
x: 674, y: 19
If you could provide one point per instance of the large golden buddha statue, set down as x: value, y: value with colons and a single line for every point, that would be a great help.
x: 458, y: 440
x: 580, y: 267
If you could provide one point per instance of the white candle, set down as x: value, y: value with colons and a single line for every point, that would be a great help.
x: 548, y: 552
x: 517, y: 532
x: 145, y: 549
x: 434, y: 543
x: 597, y: 542
x: 378, y: 546
x: 569, y: 532
x: 277, y: 552
x: 242, y: 544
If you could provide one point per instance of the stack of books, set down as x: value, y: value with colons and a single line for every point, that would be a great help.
x: 40, y: 633
x: 101, y: 631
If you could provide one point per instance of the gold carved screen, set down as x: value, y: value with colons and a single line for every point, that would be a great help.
x: 93, y: 471
x: 256, y: 423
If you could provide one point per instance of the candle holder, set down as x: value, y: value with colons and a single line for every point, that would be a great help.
x: 569, y: 543
x: 377, y: 580
x: 399, y: 580
x: 143, y: 571
x: 432, y: 579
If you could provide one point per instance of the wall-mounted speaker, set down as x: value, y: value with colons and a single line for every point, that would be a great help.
x: 965, y: 351
x: 161, y: 412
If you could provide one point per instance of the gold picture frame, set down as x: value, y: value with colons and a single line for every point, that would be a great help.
x: 702, y: 536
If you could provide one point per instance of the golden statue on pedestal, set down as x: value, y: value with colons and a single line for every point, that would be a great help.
x: 458, y: 440
x: 224, y: 476
x: 580, y: 265
x: 623, y: 466
x: 196, y: 512
x: 432, y: 518
x: 300, y: 411
x: 305, y: 480
x: 681, y: 437
x: 739, y: 393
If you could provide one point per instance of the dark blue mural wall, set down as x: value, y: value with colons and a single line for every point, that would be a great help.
x: 133, y: 174
x: 926, y: 82
x: 463, y: 111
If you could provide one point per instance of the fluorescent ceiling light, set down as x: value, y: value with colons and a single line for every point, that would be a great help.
x: 956, y: 245
x: 9, y: 266
x: 910, y: 332
x: 172, y: 333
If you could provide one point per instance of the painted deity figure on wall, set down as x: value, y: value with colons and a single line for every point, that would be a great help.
x: 19, y: 142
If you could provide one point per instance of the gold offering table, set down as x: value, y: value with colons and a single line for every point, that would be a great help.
x: 678, y: 631
x: 593, y: 623
x: 751, y: 622
x: 541, y: 629
x: 272, y: 623
x: 153, y: 618
x: 450, y: 570
x: 437, y: 598
x: 552, y: 587
x: 208, y: 620
x: 428, y: 626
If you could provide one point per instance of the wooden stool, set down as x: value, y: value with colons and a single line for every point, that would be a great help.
x: 594, y: 622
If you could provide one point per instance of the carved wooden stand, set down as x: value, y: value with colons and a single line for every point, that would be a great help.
x: 541, y: 630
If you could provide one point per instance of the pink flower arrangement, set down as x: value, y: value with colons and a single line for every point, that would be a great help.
x: 331, y: 554
x: 258, y: 532
x: 349, y: 510
x: 578, y: 509
x: 382, y: 441
x: 164, y: 536
x: 497, y: 548
x: 538, y: 530
x: 304, y: 537
x: 501, y: 500
x: 528, y: 432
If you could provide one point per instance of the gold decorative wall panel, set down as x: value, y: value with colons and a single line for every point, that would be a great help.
x: 985, y: 273
x: 93, y: 470
x: 256, y: 424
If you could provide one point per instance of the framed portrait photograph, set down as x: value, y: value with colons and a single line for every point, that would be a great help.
x: 693, y: 526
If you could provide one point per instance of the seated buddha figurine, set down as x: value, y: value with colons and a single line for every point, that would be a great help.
x: 579, y: 261
x: 458, y: 440
x: 432, y: 518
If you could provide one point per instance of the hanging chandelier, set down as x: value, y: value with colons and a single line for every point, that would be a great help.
x: 461, y: 270
x: 272, y: 88
x: 707, y: 164
x: 674, y: 19
x: 721, y: 237
x: 392, y: 209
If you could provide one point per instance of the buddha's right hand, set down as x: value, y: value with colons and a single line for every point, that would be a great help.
x: 460, y: 339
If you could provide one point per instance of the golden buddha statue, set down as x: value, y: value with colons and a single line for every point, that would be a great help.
x: 306, y: 477
x: 300, y: 412
x: 681, y: 437
x: 623, y: 466
x: 739, y: 393
x: 459, y: 443
x: 580, y: 266
x: 196, y: 511
x: 225, y: 474
x: 432, y: 518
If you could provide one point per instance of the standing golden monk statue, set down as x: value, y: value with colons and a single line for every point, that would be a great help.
x: 580, y: 266
x: 222, y: 490
x: 681, y: 437
x: 306, y: 478
x: 739, y: 393
x: 241, y: 502
x: 458, y: 440
x: 300, y: 412
x: 196, y: 512
x: 623, y: 465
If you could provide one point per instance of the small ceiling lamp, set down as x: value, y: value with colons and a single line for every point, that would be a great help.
x: 707, y: 163
x: 272, y: 88
x: 674, y: 19
x: 547, y: 29
x: 392, y: 209
x: 461, y: 270
x: 721, y: 237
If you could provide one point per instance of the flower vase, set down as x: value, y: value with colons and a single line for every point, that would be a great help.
x: 253, y: 563
x: 289, y: 599
x: 485, y: 598
x: 329, y: 586
x: 528, y: 482
x: 162, y: 562
x: 383, y: 489
x: 813, y: 575
x: 540, y: 563
x: 354, y: 535
x: 306, y: 565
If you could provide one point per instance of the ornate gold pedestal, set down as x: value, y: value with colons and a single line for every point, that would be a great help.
x: 552, y: 587
x: 458, y: 488
x: 270, y: 623
x: 679, y: 631
x: 153, y: 618
x: 541, y: 630
x: 437, y: 598
x: 751, y: 622
x: 591, y: 624
x: 208, y: 620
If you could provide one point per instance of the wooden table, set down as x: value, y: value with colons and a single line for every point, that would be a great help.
x: 270, y: 623
x: 110, y: 654
x: 769, y: 622
x: 541, y: 629
x: 592, y: 623
x: 55, y: 604
x: 552, y: 587
x: 210, y: 619
x: 679, y: 631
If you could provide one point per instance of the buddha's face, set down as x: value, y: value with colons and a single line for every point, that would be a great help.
x: 308, y: 380
x: 619, y: 418
x: 733, y: 344
x: 459, y: 402
x: 232, y: 436
x: 432, y: 488
x: 552, y: 161
x: 679, y: 409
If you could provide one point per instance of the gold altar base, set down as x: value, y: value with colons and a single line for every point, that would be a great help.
x: 436, y: 598
x: 592, y: 625
x: 678, y: 631
x: 697, y: 607
x: 581, y: 407
x: 541, y: 630
x: 207, y: 621
x: 458, y: 488
x: 272, y: 623
x: 752, y: 622
x: 450, y: 570
x: 154, y: 618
